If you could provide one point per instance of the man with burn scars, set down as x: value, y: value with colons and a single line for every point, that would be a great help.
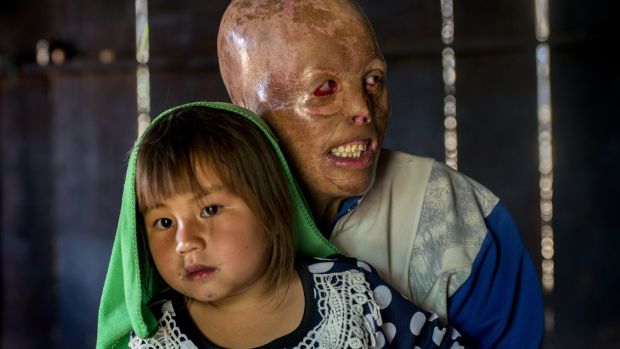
x: 314, y: 72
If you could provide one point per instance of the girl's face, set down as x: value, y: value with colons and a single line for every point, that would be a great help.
x: 211, y: 247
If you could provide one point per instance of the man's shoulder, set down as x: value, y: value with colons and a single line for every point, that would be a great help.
x: 452, y: 210
x: 402, y: 177
x: 390, y: 158
x: 442, y: 183
x: 463, y: 190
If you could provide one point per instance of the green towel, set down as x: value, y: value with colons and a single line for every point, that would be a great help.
x: 132, y: 280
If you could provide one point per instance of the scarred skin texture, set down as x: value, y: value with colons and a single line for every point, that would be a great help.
x: 314, y: 72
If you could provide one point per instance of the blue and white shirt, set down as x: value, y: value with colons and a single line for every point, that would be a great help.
x: 448, y: 244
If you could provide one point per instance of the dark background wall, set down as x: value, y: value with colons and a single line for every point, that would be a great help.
x: 65, y: 130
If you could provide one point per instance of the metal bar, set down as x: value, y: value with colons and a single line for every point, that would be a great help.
x: 449, y: 78
x: 143, y: 83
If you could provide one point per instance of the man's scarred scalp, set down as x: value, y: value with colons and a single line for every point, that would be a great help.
x: 298, y: 14
x: 249, y: 10
x: 259, y: 37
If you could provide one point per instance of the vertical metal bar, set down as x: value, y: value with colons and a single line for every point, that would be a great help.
x: 545, y: 156
x: 143, y: 83
x: 449, y: 79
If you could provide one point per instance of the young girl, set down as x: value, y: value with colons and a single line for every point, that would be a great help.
x: 204, y: 255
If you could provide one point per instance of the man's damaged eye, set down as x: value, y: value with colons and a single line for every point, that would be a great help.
x: 374, y: 80
x: 328, y: 88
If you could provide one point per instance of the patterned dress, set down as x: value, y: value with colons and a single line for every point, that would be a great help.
x: 347, y: 305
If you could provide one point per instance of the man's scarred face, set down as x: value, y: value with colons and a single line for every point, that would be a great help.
x: 330, y: 110
x: 313, y: 71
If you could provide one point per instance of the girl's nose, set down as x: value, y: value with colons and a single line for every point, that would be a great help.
x: 184, y: 247
x: 187, y: 238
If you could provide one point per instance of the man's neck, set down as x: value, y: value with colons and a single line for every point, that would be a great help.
x: 325, y: 211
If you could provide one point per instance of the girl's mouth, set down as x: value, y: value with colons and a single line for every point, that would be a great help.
x: 198, y: 272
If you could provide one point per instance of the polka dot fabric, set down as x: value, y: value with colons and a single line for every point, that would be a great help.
x: 402, y: 324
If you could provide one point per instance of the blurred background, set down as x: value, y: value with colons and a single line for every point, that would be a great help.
x: 68, y: 117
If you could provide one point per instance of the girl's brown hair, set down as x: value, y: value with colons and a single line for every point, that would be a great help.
x: 234, y: 149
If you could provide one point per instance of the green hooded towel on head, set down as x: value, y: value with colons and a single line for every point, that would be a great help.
x: 132, y: 281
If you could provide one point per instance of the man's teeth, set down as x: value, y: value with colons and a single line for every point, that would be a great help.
x: 349, y: 151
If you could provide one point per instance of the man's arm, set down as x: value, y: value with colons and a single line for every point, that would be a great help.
x: 500, y: 305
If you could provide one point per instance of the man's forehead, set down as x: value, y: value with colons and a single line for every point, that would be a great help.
x: 305, y: 26
x: 295, y: 15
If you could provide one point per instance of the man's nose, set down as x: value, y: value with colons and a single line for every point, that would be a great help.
x: 358, y: 107
x: 188, y: 237
x: 361, y: 119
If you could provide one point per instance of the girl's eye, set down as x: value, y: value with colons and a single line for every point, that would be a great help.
x: 210, y: 211
x: 328, y: 88
x: 163, y: 223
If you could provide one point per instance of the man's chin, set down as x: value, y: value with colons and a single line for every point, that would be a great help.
x: 354, y: 187
x: 360, y: 182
